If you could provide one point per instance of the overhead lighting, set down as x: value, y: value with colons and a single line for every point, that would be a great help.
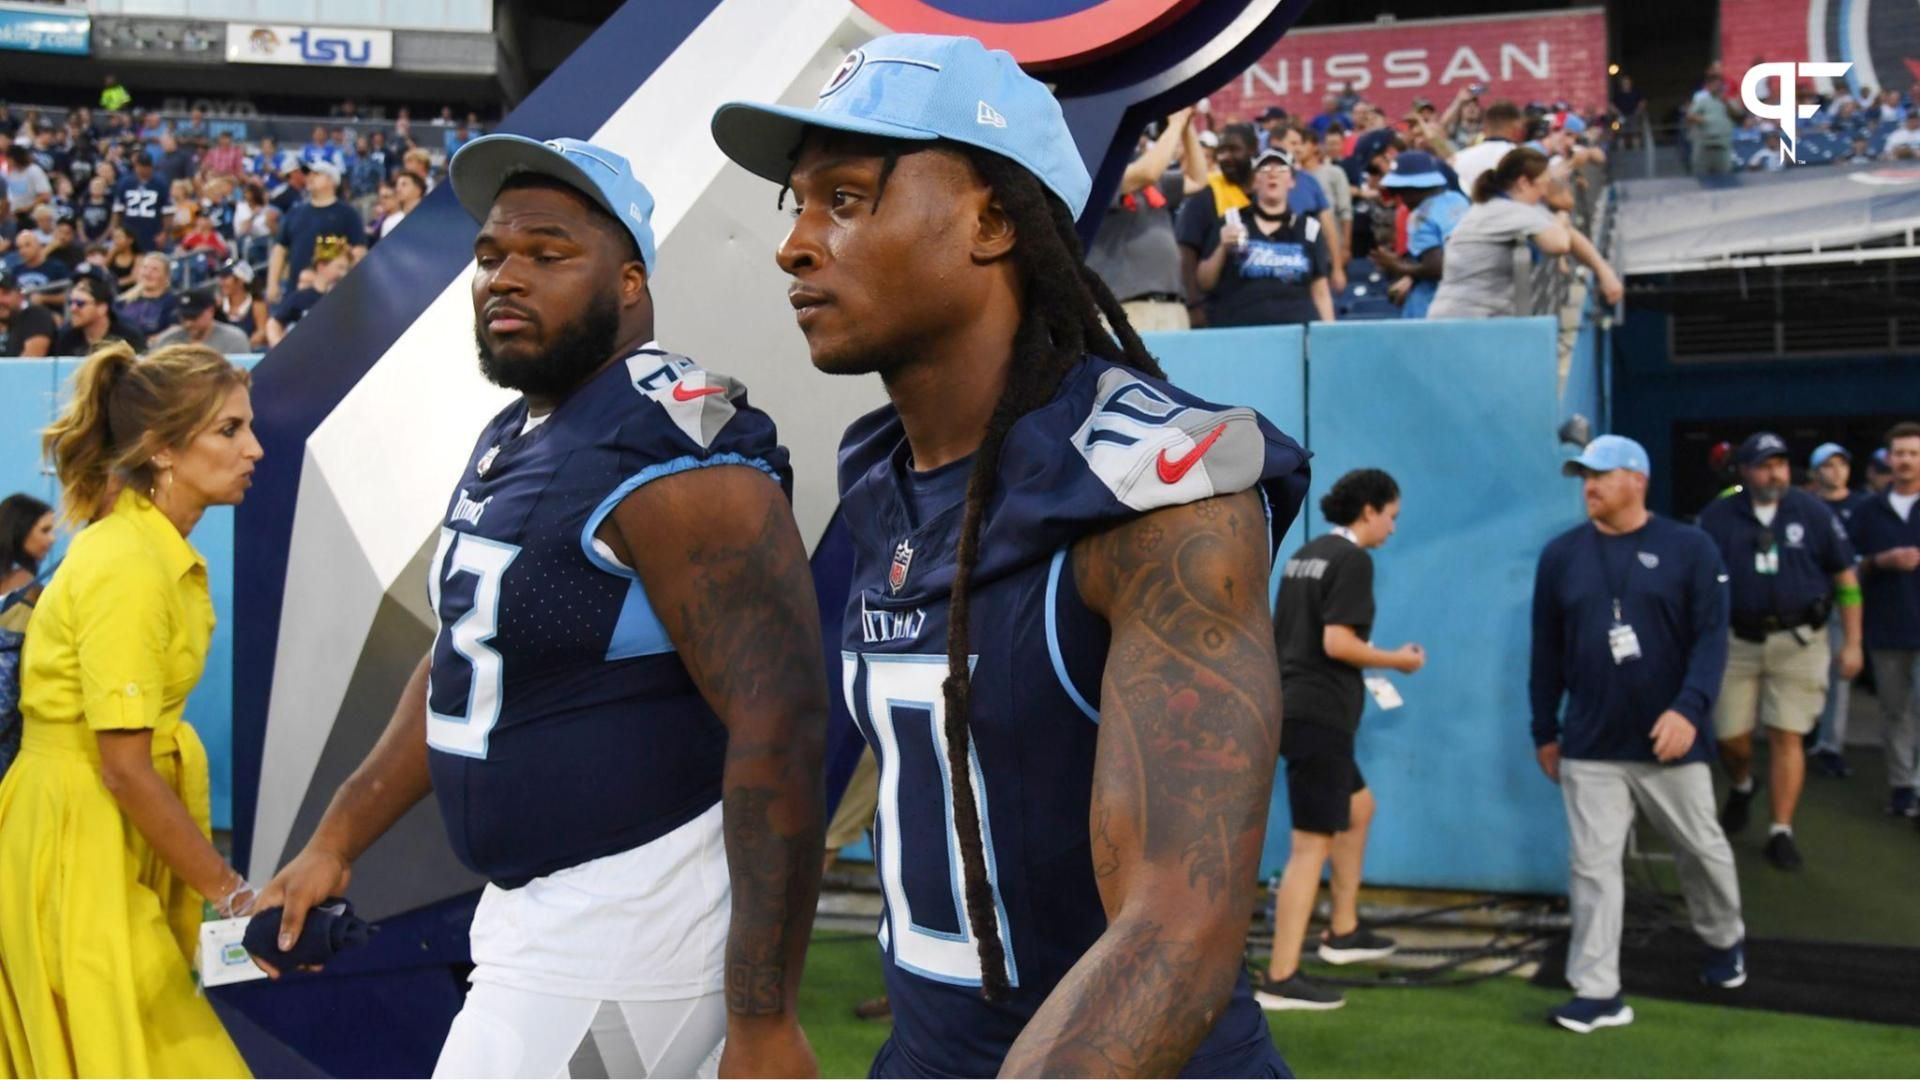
x: 1613, y: 69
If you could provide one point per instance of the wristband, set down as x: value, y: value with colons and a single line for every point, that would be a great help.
x: 230, y: 906
x: 1847, y: 596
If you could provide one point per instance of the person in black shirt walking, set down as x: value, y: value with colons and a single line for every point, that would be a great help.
x: 1320, y: 626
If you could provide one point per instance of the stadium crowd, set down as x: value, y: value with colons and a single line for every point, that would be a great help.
x: 132, y: 226
x: 1350, y: 213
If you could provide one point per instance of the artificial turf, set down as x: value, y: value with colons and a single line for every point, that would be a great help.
x: 1491, y: 1028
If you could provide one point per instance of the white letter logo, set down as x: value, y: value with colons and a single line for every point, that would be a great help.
x: 1785, y: 112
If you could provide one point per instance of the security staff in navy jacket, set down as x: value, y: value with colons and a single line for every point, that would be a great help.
x: 1791, y: 567
x: 1886, y: 529
x: 1630, y: 627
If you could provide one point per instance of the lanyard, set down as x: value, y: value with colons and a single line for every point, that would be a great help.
x: 1346, y: 534
x: 1616, y: 591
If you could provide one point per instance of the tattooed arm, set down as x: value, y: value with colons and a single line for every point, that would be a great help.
x: 1189, y: 734
x: 726, y: 572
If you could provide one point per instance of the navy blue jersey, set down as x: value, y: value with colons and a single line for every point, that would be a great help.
x: 562, y: 724
x: 1108, y: 448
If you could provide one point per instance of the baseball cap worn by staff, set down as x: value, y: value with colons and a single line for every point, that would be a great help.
x: 919, y: 88
x: 1607, y: 453
x: 1759, y: 447
x: 481, y: 167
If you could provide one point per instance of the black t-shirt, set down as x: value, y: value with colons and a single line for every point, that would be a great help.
x: 308, y: 226
x: 1327, y: 582
x: 295, y: 306
x: 71, y: 342
x: 1271, y: 282
x: 31, y: 321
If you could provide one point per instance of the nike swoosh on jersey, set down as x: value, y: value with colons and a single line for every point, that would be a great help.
x: 682, y: 393
x: 1172, y: 469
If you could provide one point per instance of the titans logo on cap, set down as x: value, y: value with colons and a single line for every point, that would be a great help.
x: 845, y: 72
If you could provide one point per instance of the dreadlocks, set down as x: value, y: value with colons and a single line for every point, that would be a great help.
x: 1060, y: 322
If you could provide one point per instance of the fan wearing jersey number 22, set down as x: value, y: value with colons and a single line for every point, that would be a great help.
x: 623, y: 712
x: 1058, y: 641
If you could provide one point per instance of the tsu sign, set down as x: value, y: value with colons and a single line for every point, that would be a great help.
x: 1543, y: 57
x: 309, y: 46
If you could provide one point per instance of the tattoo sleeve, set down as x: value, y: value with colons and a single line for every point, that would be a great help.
x: 1189, y: 735
x: 725, y: 569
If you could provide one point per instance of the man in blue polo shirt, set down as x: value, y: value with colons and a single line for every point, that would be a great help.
x: 1886, y: 529
x: 1791, y: 566
x: 1832, y: 466
x: 1630, y: 628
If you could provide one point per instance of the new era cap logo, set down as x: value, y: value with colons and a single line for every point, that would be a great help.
x: 845, y: 72
x: 990, y: 116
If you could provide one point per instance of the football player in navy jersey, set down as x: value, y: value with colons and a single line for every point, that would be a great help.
x: 623, y: 712
x: 1057, y: 640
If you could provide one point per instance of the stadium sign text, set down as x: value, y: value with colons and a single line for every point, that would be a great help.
x: 309, y: 46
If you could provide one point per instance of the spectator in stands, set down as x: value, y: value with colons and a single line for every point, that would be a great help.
x: 193, y: 133
x: 199, y: 325
x: 113, y: 95
x: 1630, y: 108
x: 459, y: 136
x: 150, y: 305
x: 1630, y: 628
x: 26, y: 329
x: 1461, y: 122
x: 1831, y: 469
x: 1313, y: 162
x: 1226, y: 190
x: 1886, y: 530
x: 377, y: 152
x: 419, y: 162
x: 265, y: 164
x: 174, y: 162
x: 1710, y: 120
x: 1134, y: 251
x: 1311, y: 200
x: 182, y: 205
x: 1435, y: 210
x: 1273, y: 121
x: 1791, y: 567
x: 66, y: 246
x: 95, y: 210
x: 27, y: 183
x: 31, y: 265
x: 239, y: 307
x: 403, y: 125
x: 255, y: 223
x: 1505, y: 126
x: 1330, y: 114
x: 319, y: 149
x: 91, y: 320
x: 330, y: 264
x: 409, y: 189
x: 1264, y: 265
x: 291, y: 192
x: 9, y: 225
x: 1862, y: 151
x: 1478, y: 282
x: 368, y: 172
x: 26, y: 538
x: 201, y: 237
x: 1322, y: 623
x: 324, y: 219
x: 123, y: 259
x: 1771, y: 157
x: 1889, y: 110
x: 1906, y: 137
x: 225, y: 157
x: 140, y: 203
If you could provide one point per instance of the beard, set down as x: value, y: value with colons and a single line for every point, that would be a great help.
x: 581, y: 348
x: 1238, y: 173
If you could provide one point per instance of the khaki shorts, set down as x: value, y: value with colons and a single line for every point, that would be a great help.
x: 1147, y: 316
x: 855, y: 814
x: 1780, y: 683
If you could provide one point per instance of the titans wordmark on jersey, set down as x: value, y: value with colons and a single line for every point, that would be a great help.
x: 1111, y: 446
x: 561, y: 723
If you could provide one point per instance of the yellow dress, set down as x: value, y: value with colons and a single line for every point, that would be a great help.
x: 96, y: 934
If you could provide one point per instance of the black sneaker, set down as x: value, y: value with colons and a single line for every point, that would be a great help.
x: 1902, y: 803
x: 1830, y: 763
x: 1296, y: 991
x: 1782, y: 852
x: 1734, y: 818
x: 1360, y: 946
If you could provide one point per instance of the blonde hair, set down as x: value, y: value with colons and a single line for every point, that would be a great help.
x: 126, y: 409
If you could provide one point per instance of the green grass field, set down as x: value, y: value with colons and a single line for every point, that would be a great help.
x: 1494, y: 1028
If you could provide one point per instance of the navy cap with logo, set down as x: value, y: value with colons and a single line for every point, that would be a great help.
x: 1415, y: 169
x: 1760, y: 446
x: 481, y: 167
x: 919, y: 87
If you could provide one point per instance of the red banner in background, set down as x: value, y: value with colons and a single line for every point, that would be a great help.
x: 1542, y: 56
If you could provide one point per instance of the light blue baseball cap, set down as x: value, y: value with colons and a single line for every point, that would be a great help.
x: 919, y: 87
x: 479, y: 169
x: 1827, y: 450
x: 1607, y: 453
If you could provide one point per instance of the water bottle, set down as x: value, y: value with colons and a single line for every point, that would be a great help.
x: 1233, y: 219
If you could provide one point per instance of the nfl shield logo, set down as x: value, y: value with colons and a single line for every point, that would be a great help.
x: 902, y: 559
x: 486, y: 461
x: 1649, y: 560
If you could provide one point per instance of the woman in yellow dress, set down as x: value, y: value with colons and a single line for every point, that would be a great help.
x: 105, y: 848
